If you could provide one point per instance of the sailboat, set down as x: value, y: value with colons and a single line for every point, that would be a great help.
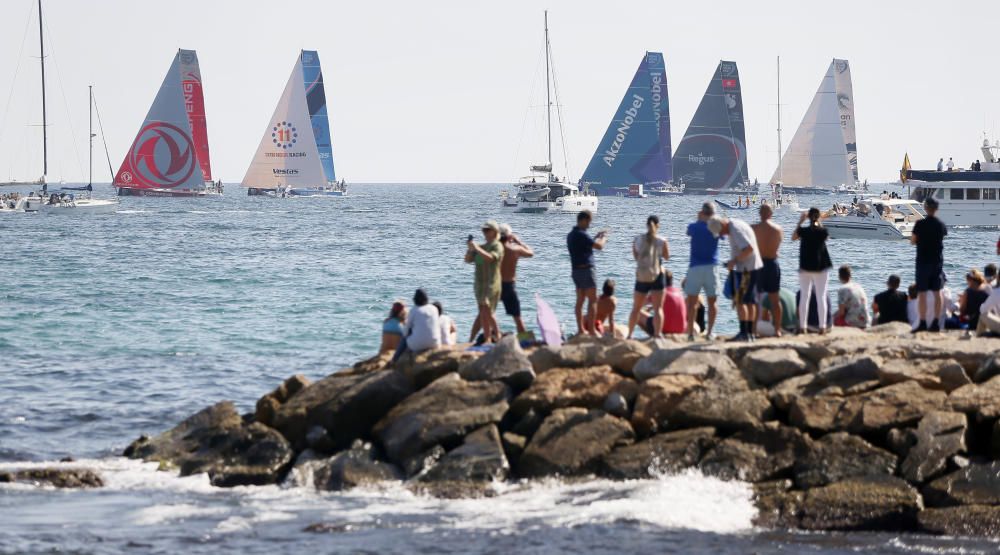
x: 781, y: 199
x: 542, y: 191
x: 635, y: 149
x: 169, y: 156
x: 712, y: 156
x: 295, y: 156
x: 823, y: 154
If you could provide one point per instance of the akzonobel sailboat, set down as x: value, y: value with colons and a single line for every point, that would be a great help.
x: 712, y: 156
x: 543, y: 191
x: 823, y: 154
x: 295, y: 156
x: 635, y: 149
x: 169, y: 156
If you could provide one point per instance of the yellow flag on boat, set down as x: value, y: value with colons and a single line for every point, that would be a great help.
x: 905, y: 169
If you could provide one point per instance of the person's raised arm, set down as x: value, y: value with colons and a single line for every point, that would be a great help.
x: 470, y: 253
x: 795, y: 234
x: 476, y: 249
x: 525, y: 250
x: 600, y: 241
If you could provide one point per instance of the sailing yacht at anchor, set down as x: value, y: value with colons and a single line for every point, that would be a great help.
x: 543, y: 191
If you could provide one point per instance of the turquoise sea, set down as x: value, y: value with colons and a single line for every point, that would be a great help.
x: 112, y: 326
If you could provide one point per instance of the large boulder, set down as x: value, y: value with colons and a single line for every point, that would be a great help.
x: 431, y: 365
x: 724, y: 401
x: 479, y: 458
x: 568, y: 387
x: 770, y: 366
x: 572, y: 441
x: 657, y: 399
x: 505, y: 362
x: 988, y: 368
x: 58, y: 477
x: 875, y: 502
x: 939, y: 436
x: 345, y: 406
x: 218, y: 442
x: 944, y: 374
x: 874, y: 411
x: 755, y: 455
x: 662, y: 453
x: 970, y: 354
x: 623, y: 356
x: 981, y: 400
x: 354, y: 467
x: 544, y: 358
x: 268, y: 405
x: 967, y: 520
x: 440, y: 414
x: 838, y: 456
x: 976, y: 484
x: 704, y: 364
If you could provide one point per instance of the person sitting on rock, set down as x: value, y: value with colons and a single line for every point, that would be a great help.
x: 789, y: 315
x: 891, y: 304
x: 449, y: 332
x: 972, y: 299
x: 607, y: 303
x: 674, y: 309
x: 392, y: 328
x: 852, y: 302
x: 423, y: 330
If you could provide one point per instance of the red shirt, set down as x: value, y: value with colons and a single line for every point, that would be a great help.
x: 674, y: 311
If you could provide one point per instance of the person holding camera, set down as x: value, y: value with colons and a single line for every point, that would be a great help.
x: 487, y: 258
x: 581, y: 254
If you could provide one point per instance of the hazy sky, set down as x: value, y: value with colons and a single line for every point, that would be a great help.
x: 450, y: 91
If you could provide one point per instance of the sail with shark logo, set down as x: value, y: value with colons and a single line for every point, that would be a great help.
x: 169, y: 156
x: 823, y: 154
x: 712, y: 156
x: 295, y: 156
x: 636, y: 147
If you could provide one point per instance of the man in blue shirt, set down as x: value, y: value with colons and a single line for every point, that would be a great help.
x: 703, y: 273
x: 581, y: 255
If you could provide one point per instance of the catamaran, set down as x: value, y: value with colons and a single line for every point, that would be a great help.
x: 635, y: 150
x: 169, y: 156
x: 295, y: 155
x: 823, y: 154
x: 712, y: 156
x: 543, y: 191
x: 965, y: 198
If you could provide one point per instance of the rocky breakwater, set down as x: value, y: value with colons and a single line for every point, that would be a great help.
x: 876, y: 430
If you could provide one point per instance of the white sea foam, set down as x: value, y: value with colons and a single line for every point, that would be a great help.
x: 159, y: 514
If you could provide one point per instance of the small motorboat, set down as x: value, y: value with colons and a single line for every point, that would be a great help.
x: 873, y: 218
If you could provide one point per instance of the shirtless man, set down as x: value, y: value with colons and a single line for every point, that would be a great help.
x: 514, y: 250
x: 769, y: 237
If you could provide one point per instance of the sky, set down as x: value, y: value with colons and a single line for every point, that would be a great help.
x: 452, y: 91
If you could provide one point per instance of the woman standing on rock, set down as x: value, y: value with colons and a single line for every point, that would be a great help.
x: 649, y: 251
x: 814, y: 265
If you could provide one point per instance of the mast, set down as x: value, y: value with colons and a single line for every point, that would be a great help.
x: 45, y: 128
x: 90, y: 135
x: 780, y: 153
x: 548, y: 97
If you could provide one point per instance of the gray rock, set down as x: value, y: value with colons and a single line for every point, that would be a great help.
x: 355, y: 467
x: 876, y: 502
x: 431, y: 365
x: 873, y: 411
x: 770, y: 366
x: 544, y: 358
x: 847, y: 370
x: 479, y: 458
x: 440, y: 414
x: 623, y: 356
x: 658, y: 397
x: 568, y: 387
x: 982, y: 400
x: 711, y: 404
x: 513, y: 445
x: 528, y: 424
x: 616, y: 404
x: 755, y: 455
x: 989, y: 368
x: 901, y: 440
x: 505, y: 362
x: 977, y: 484
x: 662, y: 453
x: 968, y: 520
x: 63, y: 478
x: 572, y: 441
x: 345, y: 406
x: 777, y: 507
x: 838, y: 456
x: 421, y: 462
x: 939, y: 436
x: 217, y: 441
x: 943, y: 374
x: 683, y: 361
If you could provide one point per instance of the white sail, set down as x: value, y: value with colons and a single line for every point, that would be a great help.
x: 287, y: 155
x: 818, y: 156
x: 845, y: 102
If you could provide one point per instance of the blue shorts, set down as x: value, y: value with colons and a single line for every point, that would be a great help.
x: 511, y: 302
x: 769, y: 279
x: 584, y: 278
x: 930, y: 277
x: 658, y: 284
x: 702, y: 277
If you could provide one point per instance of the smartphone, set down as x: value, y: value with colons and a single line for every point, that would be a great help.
x: 470, y: 238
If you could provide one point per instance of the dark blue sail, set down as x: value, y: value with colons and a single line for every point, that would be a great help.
x: 712, y: 156
x: 636, y: 146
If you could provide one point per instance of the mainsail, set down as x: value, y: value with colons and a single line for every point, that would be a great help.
x: 316, y: 99
x: 713, y: 153
x: 823, y: 153
x: 164, y: 153
x: 288, y: 154
x: 636, y: 146
x: 194, y: 104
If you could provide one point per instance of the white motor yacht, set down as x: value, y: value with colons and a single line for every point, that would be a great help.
x: 661, y: 188
x: 873, y: 218
x: 965, y: 197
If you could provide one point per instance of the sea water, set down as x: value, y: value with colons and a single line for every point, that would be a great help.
x: 113, y: 326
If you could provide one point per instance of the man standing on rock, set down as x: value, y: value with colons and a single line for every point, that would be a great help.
x: 513, y: 250
x: 702, y: 270
x: 769, y: 237
x: 487, y: 258
x: 745, y: 263
x: 928, y: 235
x: 581, y: 255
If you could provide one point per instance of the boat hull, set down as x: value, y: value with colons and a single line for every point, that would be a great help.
x: 846, y: 228
x: 571, y: 205
x: 181, y: 193
x: 92, y: 206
